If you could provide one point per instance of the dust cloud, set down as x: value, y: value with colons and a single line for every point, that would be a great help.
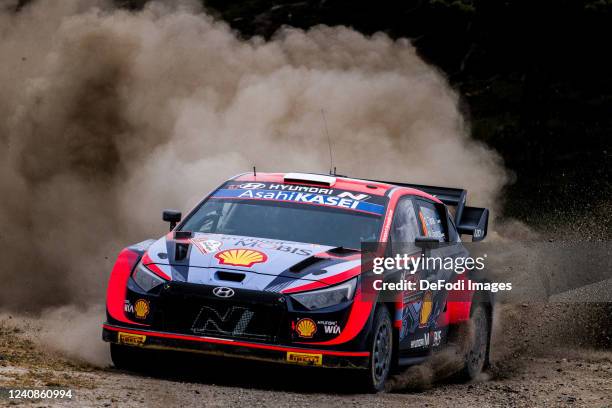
x: 107, y: 116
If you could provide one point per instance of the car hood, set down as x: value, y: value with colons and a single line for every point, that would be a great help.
x: 249, y: 262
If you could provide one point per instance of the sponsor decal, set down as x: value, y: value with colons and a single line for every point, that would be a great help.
x: 128, y: 307
x: 131, y: 339
x: 141, y: 309
x: 422, y: 342
x: 306, y: 328
x: 330, y: 327
x: 303, y: 189
x: 206, y: 245
x: 426, y: 308
x: 301, y: 197
x: 304, y: 358
x: 241, y: 257
x: 232, y: 322
x: 269, y: 244
x: 410, y: 317
x: 252, y: 186
x: 223, y: 292
x: 437, y: 338
x: 358, y: 197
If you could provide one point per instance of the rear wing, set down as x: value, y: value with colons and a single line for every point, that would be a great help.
x: 472, y: 221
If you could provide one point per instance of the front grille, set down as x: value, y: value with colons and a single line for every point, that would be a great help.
x: 192, y: 309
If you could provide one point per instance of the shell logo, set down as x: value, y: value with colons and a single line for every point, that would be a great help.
x: 306, y: 328
x: 426, y: 308
x: 141, y: 308
x: 241, y: 257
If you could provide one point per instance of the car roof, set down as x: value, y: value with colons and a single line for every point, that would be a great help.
x: 339, y: 182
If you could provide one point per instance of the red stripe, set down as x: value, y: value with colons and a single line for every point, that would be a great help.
x: 326, y: 255
x: 399, y: 307
x: 459, y: 303
x: 237, y: 343
x: 324, y: 283
x: 146, y: 260
x: 309, y: 286
x: 117, y: 285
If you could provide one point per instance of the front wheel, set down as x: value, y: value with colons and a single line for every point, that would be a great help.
x: 129, y: 358
x: 381, y: 351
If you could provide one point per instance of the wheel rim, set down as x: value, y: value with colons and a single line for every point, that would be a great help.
x: 382, y: 352
x: 478, y: 351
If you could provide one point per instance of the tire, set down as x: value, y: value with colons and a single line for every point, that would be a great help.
x: 129, y: 358
x: 381, y: 351
x: 475, y: 343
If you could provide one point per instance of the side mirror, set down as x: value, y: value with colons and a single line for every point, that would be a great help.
x: 171, y: 216
x: 426, y: 242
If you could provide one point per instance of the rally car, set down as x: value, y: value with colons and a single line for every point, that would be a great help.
x: 270, y: 266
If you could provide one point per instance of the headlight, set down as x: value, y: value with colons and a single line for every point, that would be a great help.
x: 321, y: 298
x: 146, y: 279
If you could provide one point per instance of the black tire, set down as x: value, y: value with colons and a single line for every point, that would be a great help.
x: 475, y: 343
x: 381, y: 351
x: 129, y: 358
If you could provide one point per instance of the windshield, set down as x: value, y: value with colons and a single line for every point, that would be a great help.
x: 285, y: 221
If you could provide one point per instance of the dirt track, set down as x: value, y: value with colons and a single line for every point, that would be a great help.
x: 527, y: 371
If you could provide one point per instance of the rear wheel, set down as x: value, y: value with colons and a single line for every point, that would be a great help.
x: 381, y: 351
x: 475, y: 343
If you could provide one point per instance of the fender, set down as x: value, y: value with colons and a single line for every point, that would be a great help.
x: 117, y: 283
x: 459, y: 303
x: 360, y: 313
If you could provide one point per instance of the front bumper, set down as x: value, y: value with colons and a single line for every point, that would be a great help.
x: 234, y: 348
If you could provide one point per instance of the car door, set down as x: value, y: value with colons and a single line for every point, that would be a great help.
x: 414, y: 330
x: 434, y: 222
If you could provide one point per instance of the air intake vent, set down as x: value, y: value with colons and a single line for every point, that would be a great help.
x: 300, y: 266
x: 182, y: 234
x: 181, y: 251
x: 230, y: 276
x: 304, y: 178
x: 341, y: 251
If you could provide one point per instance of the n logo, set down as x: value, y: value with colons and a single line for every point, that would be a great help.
x: 356, y: 197
x: 231, y: 323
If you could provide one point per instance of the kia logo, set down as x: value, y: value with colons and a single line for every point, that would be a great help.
x: 253, y: 186
x: 223, y: 292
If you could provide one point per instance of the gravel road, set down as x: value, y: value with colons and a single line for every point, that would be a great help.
x: 530, y: 368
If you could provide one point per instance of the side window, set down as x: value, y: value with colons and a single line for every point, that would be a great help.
x: 405, y: 227
x: 430, y: 221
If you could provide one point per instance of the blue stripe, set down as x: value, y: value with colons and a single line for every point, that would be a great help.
x: 299, y: 197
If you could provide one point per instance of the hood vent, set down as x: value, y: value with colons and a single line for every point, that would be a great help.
x: 230, y: 276
x: 300, y: 266
x: 341, y: 251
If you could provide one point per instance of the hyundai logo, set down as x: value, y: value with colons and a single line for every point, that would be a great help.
x: 223, y: 292
x: 253, y: 186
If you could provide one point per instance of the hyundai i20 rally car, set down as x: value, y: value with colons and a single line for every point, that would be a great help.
x: 270, y: 267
